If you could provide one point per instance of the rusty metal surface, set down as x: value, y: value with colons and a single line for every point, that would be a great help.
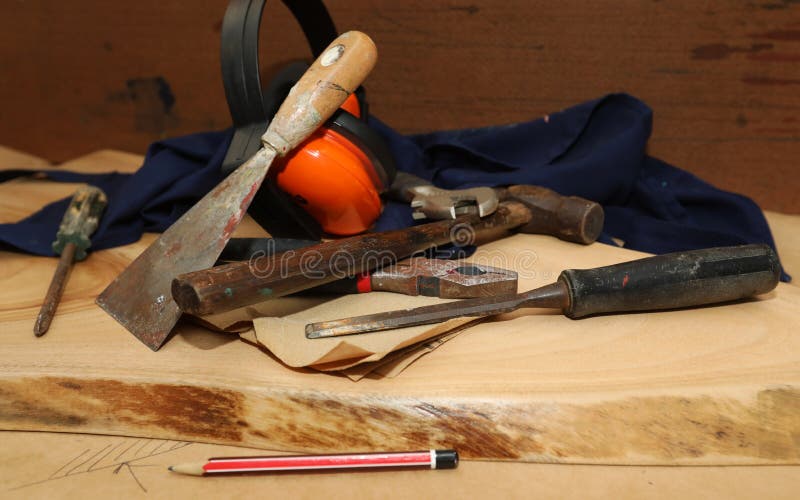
x: 79, y: 222
x: 55, y: 290
x: 436, y: 203
x: 449, y: 279
x: 431, y: 202
x: 139, y: 298
x: 555, y: 295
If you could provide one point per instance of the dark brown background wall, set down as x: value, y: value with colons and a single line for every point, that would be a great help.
x: 722, y: 77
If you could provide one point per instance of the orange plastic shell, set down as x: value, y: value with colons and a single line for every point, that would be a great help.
x: 329, y: 177
x: 352, y: 106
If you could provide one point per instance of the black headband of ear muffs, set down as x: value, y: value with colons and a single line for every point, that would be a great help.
x: 240, y: 67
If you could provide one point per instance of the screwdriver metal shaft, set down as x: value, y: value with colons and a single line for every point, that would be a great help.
x: 55, y: 291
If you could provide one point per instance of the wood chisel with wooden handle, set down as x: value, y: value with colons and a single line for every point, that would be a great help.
x: 669, y: 281
x: 227, y: 287
x: 140, y: 297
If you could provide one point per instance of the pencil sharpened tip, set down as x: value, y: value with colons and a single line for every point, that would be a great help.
x: 169, y: 468
x: 189, y: 469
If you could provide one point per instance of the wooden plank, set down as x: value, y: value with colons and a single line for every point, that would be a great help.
x: 721, y: 77
x: 719, y: 385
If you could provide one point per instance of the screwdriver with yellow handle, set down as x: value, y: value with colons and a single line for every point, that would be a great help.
x: 669, y: 281
x: 72, y: 240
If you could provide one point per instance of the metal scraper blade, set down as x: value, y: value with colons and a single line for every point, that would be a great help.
x: 140, y: 297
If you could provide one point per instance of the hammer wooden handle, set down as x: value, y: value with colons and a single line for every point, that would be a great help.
x: 230, y: 286
x: 322, y: 89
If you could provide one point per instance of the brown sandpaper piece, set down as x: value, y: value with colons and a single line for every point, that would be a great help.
x: 278, y: 326
x: 395, y: 363
x: 285, y: 336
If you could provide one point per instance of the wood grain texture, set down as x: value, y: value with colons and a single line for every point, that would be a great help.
x: 58, y: 465
x: 720, y: 385
x: 721, y: 77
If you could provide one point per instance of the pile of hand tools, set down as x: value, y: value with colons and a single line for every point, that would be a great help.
x: 175, y: 273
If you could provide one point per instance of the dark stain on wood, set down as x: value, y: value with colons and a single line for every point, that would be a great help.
x: 774, y: 57
x: 17, y: 411
x: 780, y: 35
x: 779, y: 5
x: 722, y: 50
x: 153, y: 103
x: 666, y: 429
x: 469, y: 9
x: 741, y: 120
x: 763, y: 80
x: 181, y: 410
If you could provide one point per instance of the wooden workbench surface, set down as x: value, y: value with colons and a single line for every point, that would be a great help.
x: 716, y: 386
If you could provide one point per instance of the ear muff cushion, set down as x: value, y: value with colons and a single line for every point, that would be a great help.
x: 338, y: 174
x: 333, y: 179
x: 371, y: 143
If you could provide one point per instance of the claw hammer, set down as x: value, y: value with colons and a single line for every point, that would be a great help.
x: 569, y: 218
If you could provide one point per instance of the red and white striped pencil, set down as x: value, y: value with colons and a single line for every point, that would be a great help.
x: 434, y: 459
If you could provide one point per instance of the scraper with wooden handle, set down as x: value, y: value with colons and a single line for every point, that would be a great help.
x: 139, y: 298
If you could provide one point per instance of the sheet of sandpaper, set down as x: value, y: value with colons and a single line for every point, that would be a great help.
x: 279, y: 326
x: 394, y: 363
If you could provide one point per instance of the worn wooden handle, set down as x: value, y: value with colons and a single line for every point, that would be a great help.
x: 239, y: 284
x: 321, y: 90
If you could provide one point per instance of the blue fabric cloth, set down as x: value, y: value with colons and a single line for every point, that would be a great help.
x: 596, y: 150
x: 175, y: 174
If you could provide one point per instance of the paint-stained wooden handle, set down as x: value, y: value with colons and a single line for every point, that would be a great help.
x: 322, y: 89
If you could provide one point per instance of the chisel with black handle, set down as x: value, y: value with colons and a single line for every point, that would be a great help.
x: 669, y: 281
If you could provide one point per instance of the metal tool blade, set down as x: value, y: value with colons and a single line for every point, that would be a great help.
x: 552, y: 295
x: 451, y: 279
x: 140, y: 298
x: 435, y: 203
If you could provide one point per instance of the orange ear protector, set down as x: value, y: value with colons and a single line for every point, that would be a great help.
x: 337, y: 175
